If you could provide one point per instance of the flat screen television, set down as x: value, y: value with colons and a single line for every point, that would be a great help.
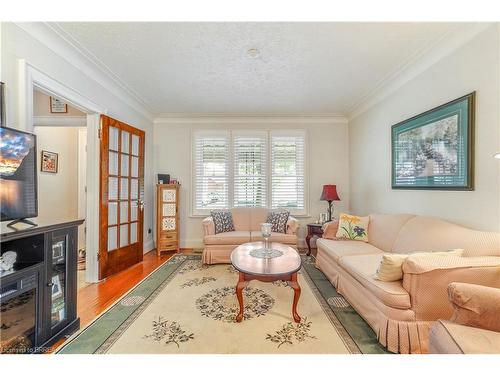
x: 18, y: 184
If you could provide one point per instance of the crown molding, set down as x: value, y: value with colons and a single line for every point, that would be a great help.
x: 417, y: 64
x: 73, y: 121
x: 200, y: 118
x: 54, y: 38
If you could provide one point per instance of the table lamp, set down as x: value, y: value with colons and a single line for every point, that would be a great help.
x: 329, y: 194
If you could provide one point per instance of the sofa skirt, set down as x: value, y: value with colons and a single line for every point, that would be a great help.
x: 396, y: 329
x: 217, y: 254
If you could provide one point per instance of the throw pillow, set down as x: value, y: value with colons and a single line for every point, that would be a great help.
x: 353, y: 227
x: 223, y: 221
x: 330, y: 229
x: 278, y: 219
x: 391, y: 265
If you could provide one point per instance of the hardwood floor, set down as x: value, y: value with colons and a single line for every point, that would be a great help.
x: 93, y: 299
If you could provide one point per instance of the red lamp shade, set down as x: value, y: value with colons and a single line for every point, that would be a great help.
x: 329, y: 193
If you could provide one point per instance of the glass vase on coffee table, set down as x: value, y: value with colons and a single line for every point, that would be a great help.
x: 266, y: 252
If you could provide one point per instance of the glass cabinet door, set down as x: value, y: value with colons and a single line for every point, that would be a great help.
x: 58, y: 275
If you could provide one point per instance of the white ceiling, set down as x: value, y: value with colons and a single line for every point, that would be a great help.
x: 303, y: 68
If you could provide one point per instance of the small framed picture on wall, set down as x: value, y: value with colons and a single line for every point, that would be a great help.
x: 57, y: 106
x: 49, y: 161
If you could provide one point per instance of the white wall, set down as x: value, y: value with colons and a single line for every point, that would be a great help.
x: 58, y: 192
x: 41, y: 107
x: 472, y: 67
x: 17, y: 44
x: 327, y: 162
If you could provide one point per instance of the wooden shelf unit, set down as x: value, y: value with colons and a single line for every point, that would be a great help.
x: 167, y: 217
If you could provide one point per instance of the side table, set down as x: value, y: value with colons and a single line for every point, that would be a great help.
x: 313, y: 229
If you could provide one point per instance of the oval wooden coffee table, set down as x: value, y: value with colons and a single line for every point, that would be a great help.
x: 283, y: 267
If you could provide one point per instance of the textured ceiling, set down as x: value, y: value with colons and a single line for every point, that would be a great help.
x: 206, y: 68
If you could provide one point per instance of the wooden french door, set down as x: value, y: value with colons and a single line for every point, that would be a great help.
x: 121, y: 196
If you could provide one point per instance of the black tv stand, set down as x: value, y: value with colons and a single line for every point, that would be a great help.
x: 24, y: 221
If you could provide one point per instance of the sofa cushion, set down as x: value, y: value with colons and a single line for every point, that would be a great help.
x: 423, y: 233
x: 336, y: 249
x: 469, y: 340
x: 241, y: 218
x: 363, y: 268
x: 228, y: 238
x: 289, y: 239
x: 258, y: 215
x: 384, y: 229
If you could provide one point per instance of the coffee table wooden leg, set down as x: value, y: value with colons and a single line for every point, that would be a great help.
x: 296, y: 295
x: 239, y: 293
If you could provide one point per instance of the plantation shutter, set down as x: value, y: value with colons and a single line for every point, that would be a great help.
x: 211, y: 171
x: 250, y: 169
x: 288, y: 170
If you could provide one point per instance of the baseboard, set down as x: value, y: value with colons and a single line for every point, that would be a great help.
x: 148, y: 246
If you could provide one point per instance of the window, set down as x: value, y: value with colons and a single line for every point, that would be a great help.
x: 247, y: 168
x: 287, y: 171
x: 250, y: 169
x: 211, y: 174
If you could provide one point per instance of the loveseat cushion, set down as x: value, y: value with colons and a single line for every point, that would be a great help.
x: 363, y: 268
x: 451, y: 338
x: 336, y: 249
x: 227, y: 238
x: 289, y: 239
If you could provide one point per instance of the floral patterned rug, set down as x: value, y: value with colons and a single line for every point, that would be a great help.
x: 186, y: 307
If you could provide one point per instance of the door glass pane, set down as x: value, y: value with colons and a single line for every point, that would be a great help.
x: 133, y: 210
x: 135, y: 144
x: 124, y: 212
x: 134, y: 188
x: 113, y: 163
x: 124, y: 166
x: 113, y: 138
x: 112, y: 212
x: 133, y: 233
x: 112, y: 240
x: 112, y: 188
x: 123, y: 235
x: 125, y: 142
x: 123, y: 188
x: 135, y: 167
x: 58, y: 295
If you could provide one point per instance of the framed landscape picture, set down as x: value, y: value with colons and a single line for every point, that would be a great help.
x: 49, y: 162
x: 434, y: 150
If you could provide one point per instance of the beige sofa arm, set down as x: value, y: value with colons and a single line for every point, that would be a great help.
x: 208, y: 226
x: 426, y: 280
x: 475, y: 305
x: 292, y: 225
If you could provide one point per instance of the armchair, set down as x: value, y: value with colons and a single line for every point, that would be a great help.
x: 474, y: 326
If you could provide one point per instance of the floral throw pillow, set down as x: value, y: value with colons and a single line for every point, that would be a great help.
x: 223, y: 221
x: 353, y: 227
x: 278, y: 219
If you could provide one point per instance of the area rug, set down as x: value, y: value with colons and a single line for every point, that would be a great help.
x: 185, y: 307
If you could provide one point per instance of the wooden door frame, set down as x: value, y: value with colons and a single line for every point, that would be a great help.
x: 31, y: 78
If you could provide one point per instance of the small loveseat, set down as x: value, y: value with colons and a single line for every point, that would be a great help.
x: 401, y: 312
x: 218, y: 247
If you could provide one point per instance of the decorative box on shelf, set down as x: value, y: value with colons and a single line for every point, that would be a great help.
x: 167, y: 217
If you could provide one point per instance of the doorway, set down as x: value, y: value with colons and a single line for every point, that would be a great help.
x: 61, y: 133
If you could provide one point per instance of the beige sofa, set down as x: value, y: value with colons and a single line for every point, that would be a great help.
x: 401, y: 312
x: 218, y: 247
